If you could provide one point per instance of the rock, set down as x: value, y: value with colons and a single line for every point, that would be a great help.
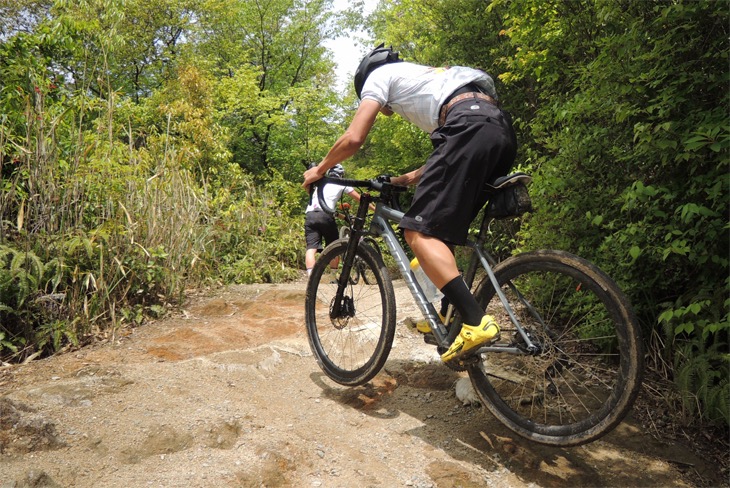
x: 465, y: 392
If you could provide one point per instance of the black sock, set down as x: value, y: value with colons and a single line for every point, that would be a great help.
x: 458, y: 294
x: 444, y: 306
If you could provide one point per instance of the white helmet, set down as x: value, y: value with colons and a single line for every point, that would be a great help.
x: 336, y: 171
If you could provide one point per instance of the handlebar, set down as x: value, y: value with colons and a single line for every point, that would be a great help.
x: 381, y: 184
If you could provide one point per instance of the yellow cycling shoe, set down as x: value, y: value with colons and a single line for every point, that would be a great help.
x: 472, y: 336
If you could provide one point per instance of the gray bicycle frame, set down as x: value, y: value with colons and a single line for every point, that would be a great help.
x: 380, y: 226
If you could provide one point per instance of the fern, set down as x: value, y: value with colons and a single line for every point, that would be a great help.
x: 53, y: 333
x: 6, y: 278
x: 6, y: 251
x: 718, y: 401
x: 6, y: 344
x: 29, y: 262
x: 79, y: 241
x: 701, y: 377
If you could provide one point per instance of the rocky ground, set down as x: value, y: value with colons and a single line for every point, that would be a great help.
x: 227, y: 394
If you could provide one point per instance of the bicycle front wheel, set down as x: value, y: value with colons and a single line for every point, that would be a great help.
x: 351, y: 346
x: 586, y: 372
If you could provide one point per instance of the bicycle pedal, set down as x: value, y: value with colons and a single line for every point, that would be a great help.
x: 471, y: 356
x: 430, y: 339
x: 466, y: 360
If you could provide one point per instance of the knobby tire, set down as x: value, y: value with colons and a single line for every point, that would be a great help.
x: 351, y: 349
x: 588, y: 372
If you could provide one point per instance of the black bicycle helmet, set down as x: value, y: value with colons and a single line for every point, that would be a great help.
x: 336, y: 171
x: 377, y: 57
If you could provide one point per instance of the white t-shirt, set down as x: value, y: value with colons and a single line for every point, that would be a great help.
x: 416, y: 92
x: 331, y: 194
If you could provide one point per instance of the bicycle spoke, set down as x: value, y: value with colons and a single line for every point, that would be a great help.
x: 574, y: 379
x: 352, y: 346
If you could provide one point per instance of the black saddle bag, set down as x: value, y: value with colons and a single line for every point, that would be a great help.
x: 511, y: 200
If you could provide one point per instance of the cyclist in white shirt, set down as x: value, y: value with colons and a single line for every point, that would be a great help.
x: 318, y: 224
x: 473, y: 142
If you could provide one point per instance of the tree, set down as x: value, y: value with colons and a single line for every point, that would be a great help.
x: 280, y: 41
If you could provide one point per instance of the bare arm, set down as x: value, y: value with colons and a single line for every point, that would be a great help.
x: 410, y: 178
x: 348, y: 143
x: 354, y: 194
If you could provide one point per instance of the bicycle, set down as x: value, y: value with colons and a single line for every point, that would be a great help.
x: 567, y: 365
x: 360, y: 269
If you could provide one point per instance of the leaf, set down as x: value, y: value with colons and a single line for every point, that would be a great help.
x: 665, y: 316
x: 635, y: 252
x: 686, y: 327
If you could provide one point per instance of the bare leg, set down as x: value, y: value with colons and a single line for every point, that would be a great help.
x: 439, y: 264
x: 434, y: 256
x: 310, y: 256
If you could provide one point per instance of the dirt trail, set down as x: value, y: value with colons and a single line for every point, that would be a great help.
x: 227, y: 394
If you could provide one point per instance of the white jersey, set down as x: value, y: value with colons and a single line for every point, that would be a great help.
x: 416, y: 92
x: 331, y: 194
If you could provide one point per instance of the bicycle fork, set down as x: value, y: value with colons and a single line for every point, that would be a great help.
x: 343, y: 305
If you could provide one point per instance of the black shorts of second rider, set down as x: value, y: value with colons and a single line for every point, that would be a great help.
x: 319, y: 225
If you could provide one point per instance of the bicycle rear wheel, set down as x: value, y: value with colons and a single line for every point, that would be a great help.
x: 587, y: 372
x: 350, y: 348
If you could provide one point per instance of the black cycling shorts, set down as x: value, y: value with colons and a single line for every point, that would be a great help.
x: 475, y: 145
x: 318, y: 225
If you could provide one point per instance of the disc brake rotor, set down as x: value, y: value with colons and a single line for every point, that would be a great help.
x: 345, y: 313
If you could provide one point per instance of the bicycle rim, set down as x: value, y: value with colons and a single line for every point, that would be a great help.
x: 587, y: 373
x: 352, y: 348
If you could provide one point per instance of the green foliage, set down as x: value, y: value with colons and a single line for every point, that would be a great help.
x: 393, y: 147
x: 27, y: 310
x: 22, y: 272
x: 6, y: 344
x: 254, y: 238
x: 126, y: 134
x: 273, y: 117
x: 638, y: 164
x: 701, y: 376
